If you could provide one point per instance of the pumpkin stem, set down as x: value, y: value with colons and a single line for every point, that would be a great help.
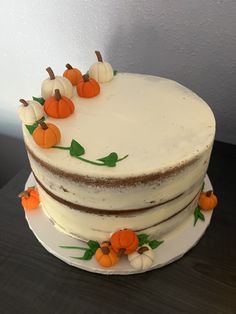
x: 43, y: 125
x: 143, y: 249
x: 86, y: 77
x: 24, y: 194
x: 24, y: 102
x: 50, y: 73
x: 57, y: 94
x: 208, y: 193
x: 68, y: 66
x: 99, y: 56
x: 105, y: 250
x: 121, y: 252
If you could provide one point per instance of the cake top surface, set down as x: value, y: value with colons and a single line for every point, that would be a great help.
x: 156, y: 121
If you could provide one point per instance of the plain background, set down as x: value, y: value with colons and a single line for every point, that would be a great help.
x: 191, y: 41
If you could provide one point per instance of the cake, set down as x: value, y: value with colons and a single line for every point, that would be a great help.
x: 132, y: 157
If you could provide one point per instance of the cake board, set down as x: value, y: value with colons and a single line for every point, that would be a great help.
x: 187, y: 236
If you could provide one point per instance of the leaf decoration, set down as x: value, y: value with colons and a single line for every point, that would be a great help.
x: 110, y: 160
x: 33, y: 126
x: 142, y: 239
x: 94, y: 245
x: 198, y: 215
x: 76, y: 149
x: 154, y: 244
x: 40, y: 100
x: 88, y: 254
x: 115, y: 72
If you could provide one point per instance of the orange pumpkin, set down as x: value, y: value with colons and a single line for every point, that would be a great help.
x: 30, y: 198
x: 207, y: 200
x: 105, y: 255
x: 46, y: 135
x: 88, y: 87
x: 58, y: 106
x: 72, y: 74
x: 124, y: 242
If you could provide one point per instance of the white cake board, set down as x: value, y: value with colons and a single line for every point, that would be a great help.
x: 175, y: 245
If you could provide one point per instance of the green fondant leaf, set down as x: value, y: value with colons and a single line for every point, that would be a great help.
x: 76, y: 149
x: 88, y: 254
x: 39, y: 100
x: 73, y: 247
x: 198, y: 215
x: 142, y: 239
x: 110, y: 160
x: 154, y: 244
x: 31, y: 127
x: 115, y: 72
x: 94, y: 245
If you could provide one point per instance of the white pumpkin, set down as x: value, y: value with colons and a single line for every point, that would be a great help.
x: 56, y: 82
x: 142, y: 259
x: 101, y: 71
x: 30, y: 111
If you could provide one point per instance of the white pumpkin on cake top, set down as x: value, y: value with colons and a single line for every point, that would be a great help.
x: 56, y: 82
x: 142, y: 259
x: 30, y: 111
x: 101, y: 71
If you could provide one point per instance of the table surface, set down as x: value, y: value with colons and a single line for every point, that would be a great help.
x: 203, y: 281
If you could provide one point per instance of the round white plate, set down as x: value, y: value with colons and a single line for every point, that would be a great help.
x: 51, y: 238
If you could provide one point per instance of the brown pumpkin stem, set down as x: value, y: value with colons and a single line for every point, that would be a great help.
x: 86, y: 77
x: 121, y: 252
x: 24, y: 102
x: 106, y: 242
x: 43, y: 125
x: 50, y: 73
x: 143, y: 249
x: 24, y: 194
x: 105, y: 250
x: 208, y: 193
x: 68, y: 66
x: 57, y: 94
x: 99, y: 56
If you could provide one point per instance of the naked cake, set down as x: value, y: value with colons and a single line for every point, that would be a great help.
x: 112, y: 151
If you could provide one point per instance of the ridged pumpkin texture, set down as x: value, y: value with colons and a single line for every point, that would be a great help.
x: 72, y: 74
x: 207, y: 200
x: 46, y: 135
x: 30, y: 198
x: 106, y: 256
x: 58, y: 106
x: 124, y: 241
x: 88, y: 87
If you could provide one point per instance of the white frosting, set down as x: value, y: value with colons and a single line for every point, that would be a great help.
x: 161, y: 125
x: 158, y: 122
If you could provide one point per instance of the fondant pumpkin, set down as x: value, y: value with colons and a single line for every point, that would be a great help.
x: 30, y: 198
x: 58, y: 106
x: 56, y: 82
x: 207, y: 200
x: 72, y: 74
x: 105, y: 255
x: 142, y: 259
x: 46, y: 135
x: 30, y: 111
x: 124, y: 242
x: 101, y: 71
x: 88, y: 87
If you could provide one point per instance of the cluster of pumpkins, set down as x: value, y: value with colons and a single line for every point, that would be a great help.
x: 125, y: 242
x: 57, y: 92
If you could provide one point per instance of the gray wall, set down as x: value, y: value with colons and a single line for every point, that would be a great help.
x: 191, y: 41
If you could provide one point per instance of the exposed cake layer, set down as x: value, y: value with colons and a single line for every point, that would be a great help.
x: 156, y: 221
